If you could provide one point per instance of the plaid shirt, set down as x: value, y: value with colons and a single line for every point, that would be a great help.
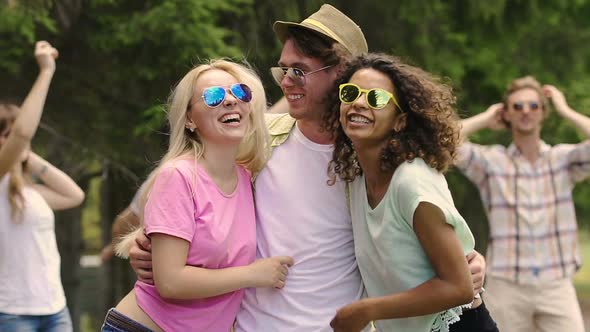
x: 533, y: 229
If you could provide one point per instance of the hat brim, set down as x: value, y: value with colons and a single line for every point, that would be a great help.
x: 281, y: 30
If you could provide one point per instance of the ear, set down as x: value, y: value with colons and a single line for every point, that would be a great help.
x: 400, y: 122
x: 189, y: 124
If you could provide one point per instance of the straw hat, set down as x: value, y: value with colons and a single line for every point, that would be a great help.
x: 331, y: 23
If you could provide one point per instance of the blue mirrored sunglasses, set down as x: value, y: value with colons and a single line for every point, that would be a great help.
x: 213, y: 96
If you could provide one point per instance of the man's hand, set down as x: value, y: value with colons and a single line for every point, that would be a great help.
x: 557, y: 98
x: 140, y: 257
x: 494, y: 115
x: 477, y: 266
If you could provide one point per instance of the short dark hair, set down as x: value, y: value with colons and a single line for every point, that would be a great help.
x: 312, y: 44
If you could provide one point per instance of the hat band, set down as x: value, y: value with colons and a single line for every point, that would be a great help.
x: 329, y: 32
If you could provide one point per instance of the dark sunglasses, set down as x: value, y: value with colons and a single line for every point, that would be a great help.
x: 519, y: 106
x: 377, y: 98
x: 295, y: 74
x: 213, y: 96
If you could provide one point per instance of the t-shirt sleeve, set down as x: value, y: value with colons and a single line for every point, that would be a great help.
x: 420, y: 183
x: 170, y: 208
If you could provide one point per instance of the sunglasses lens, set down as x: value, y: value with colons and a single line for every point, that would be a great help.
x: 534, y: 106
x: 214, y: 96
x: 297, y: 75
x: 278, y: 73
x: 518, y: 106
x: 242, y: 92
x: 348, y: 93
x: 377, y: 98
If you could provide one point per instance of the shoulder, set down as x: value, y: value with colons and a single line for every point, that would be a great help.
x: 177, y: 170
x: 279, y: 123
x: 416, y: 170
x: 492, y: 148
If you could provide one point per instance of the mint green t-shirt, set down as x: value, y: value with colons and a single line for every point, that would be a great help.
x: 389, y: 255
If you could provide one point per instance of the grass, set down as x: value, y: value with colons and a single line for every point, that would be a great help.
x: 582, y: 278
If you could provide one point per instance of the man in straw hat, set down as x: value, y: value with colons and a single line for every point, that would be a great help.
x: 298, y: 213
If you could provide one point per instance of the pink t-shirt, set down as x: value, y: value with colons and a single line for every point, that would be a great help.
x: 185, y: 202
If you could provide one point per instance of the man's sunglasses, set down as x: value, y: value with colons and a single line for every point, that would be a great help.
x: 519, y: 106
x: 213, y: 96
x: 295, y: 74
x: 377, y: 98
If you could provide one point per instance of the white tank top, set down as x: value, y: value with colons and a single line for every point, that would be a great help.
x: 29, y: 259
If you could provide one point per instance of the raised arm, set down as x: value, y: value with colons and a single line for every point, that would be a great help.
x: 56, y: 187
x: 28, y: 118
x: 491, y: 118
x: 581, y: 121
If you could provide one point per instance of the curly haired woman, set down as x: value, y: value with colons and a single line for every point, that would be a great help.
x: 396, y: 133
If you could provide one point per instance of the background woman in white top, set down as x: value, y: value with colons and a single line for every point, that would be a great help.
x: 31, y: 296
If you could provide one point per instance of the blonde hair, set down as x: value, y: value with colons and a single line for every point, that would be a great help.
x: 8, y: 113
x: 253, y: 151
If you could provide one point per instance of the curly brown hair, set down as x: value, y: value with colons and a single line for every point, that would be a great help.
x: 430, y: 127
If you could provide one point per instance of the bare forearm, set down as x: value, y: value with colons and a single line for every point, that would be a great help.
x: 30, y: 113
x: 198, y: 283
x: 579, y: 120
x: 58, y: 189
x: 432, y: 296
x: 473, y: 124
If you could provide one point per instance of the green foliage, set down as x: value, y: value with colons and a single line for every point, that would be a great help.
x: 18, y: 24
x: 119, y: 60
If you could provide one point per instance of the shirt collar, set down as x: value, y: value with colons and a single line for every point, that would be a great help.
x: 514, y: 151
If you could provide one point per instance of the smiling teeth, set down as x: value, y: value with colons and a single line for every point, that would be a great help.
x: 359, y: 118
x: 230, y: 117
x: 294, y: 97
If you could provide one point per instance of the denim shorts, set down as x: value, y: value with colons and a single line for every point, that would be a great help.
x: 58, y: 322
x: 117, y: 322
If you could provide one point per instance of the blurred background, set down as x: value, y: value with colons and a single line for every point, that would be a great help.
x: 104, y: 122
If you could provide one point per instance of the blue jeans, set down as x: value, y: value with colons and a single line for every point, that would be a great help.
x: 58, y: 322
x: 117, y: 322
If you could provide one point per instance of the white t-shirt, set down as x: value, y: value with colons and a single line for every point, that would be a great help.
x: 300, y: 215
x: 29, y: 259
x: 135, y: 202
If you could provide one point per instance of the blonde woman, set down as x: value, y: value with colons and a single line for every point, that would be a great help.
x: 199, y: 212
x: 32, y: 296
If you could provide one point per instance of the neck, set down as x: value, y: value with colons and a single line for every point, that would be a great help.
x: 528, y: 145
x: 219, y: 161
x: 313, y: 131
x: 376, y: 179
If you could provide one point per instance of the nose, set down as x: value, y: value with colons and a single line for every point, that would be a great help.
x: 361, y: 102
x: 526, y: 109
x: 287, y: 82
x: 230, y: 100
